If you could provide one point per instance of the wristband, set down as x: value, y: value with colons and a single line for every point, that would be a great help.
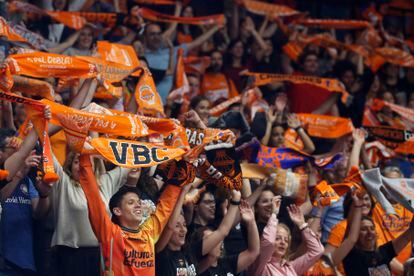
x: 232, y: 202
x: 303, y: 226
x: 298, y: 128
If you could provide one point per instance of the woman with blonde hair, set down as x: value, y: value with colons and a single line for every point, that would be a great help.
x: 275, y: 243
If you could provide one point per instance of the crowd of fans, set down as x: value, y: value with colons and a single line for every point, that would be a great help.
x: 101, y: 218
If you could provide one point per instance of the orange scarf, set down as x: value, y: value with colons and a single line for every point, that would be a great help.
x: 263, y: 8
x: 404, y: 112
x: 44, y: 65
x: 196, y: 65
x: 333, y: 23
x: 151, y: 15
x: 35, y: 110
x: 325, y: 126
x: 9, y: 32
x: 332, y: 85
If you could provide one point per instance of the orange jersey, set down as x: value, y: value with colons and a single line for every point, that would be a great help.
x: 125, y: 252
x: 393, y: 226
x: 337, y: 234
x: 321, y: 268
x: 216, y: 86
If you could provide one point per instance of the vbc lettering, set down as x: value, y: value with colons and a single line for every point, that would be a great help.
x: 141, y: 154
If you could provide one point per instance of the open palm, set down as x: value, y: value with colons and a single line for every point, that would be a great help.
x: 296, y: 215
x: 246, y: 211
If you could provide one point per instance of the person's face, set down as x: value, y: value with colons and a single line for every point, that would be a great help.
x: 282, y: 242
x: 194, y: 84
x: 206, y: 208
x: 367, y: 235
x: 130, y: 209
x: 139, y: 48
x: 188, y: 12
x: 278, y: 137
x: 264, y: 206
x: 75, y: 168
x: 216, y: 62
x: 393, y: 174
x: 153, y: 37
x: 392, y: 70
x: 311, y: 65
x: 348, y: 79
x: 388, y: 97
x: 216, y: 252
x: 85, y: 39
x: 179, y: 232
x: 237, y: 50
x: 366, y: 205
x: 202, y: 109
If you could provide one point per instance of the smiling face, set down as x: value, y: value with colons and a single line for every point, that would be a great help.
x: 177, y: 239
x: 282, y: 242
x: 85, y: 39
x: 366, y: 205
x: 206, y: 208
x: 129, y: 212
x: 264, y: 206
x: 203, y: 110
x: 367, y: 235
x: 277, y: 138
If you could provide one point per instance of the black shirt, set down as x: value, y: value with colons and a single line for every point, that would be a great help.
x: 226, y: 266
x: 360, y: 263
x: 174, y: 263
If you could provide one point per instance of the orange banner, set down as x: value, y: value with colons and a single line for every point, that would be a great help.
x: 146, y: 95
x: 325, y: 126
x: 133, y: 154
x: 181, y: 86
x: 44, y: 65
x: 77, y: 123
x: 263, y: 8
x: 9, y: 33
x: 220, y: 108
x: 404, y: 112
x: 391, y: 55
x: 333, y: 23
x: 149, y: 14
x: 332, y: 85
x: 119, y: 53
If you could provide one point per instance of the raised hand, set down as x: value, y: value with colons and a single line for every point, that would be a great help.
x: 296, y: 215
x: 276, y: 201
x: 293, y: 121
x: 246, y: 212
x: 356, y: 199
x: 281, y: 102
x: 271, y: 115
x: 359, y: 136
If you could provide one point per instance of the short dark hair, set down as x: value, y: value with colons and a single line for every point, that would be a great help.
x: 305, y: 54
x: 116, y: 199
x: 196, y: 100
x: 4, y: 134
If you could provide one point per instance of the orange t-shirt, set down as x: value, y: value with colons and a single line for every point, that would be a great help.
x: 337, y: 234
x: 215, y: 86
x: 393, y: 226
x: 320, y: 268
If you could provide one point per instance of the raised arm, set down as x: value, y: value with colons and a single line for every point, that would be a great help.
x: 267, y: 243
x: 168, y: 231
x: 401, y: 241
x: 358, y: 136
x: 248, y: 256
x: 202, y: 38
x: 170, y: 32
x: 314, y: 248
x: 354, y: 224
x: 294, y: 122
x: 212, y: 240
x: 271, y: 117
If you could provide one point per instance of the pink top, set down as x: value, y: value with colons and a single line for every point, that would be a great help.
x: 266, y: 264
